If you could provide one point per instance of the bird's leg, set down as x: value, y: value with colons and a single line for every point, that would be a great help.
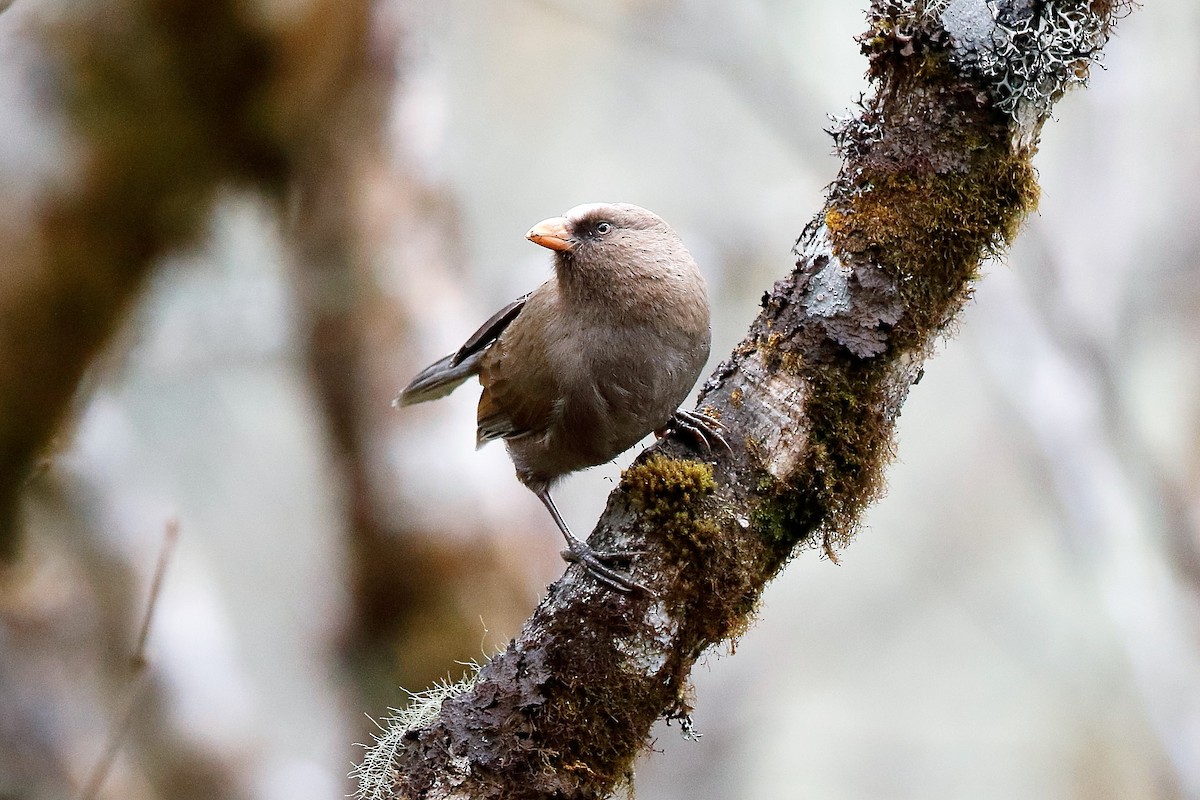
x: 702, y: 429
x: 581, y: 552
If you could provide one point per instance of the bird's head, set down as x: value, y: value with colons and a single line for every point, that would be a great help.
x: 619, y: 256
x: 606, y: 236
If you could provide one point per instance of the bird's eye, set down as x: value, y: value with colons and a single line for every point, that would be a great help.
x: 604, y: 228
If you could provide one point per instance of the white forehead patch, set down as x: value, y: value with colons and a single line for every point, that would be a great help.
x: 583, y: 210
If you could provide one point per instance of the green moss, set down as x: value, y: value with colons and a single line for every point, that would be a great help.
x: 923, y: 204
x: 596, y: 711
x: 936, y: 187
x: 929, y: 229
x: 667, y: 495
x: 711, y: 582
x: 936, y: 183
x: 848, y: 447
x: 774, y: 524
x: 665, y: 490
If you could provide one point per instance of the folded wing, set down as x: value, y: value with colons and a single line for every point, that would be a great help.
x: 446, y: 374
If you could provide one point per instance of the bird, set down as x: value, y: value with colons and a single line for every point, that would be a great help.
x: 586, y: 365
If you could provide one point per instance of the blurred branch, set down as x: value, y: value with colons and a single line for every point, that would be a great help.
x: 937, y: 174
x: 1098, y: 366
x: 77, y: 600
x: 170, y: 101
x: 170, y: 537
x: 407, y: 581
x: 1097, y: 363
x: 1127, y: 525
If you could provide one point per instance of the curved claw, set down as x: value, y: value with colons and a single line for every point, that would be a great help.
x: 594, y: 562
x: 703, y: 430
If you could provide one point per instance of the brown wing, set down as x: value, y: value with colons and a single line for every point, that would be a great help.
x: 490, y: 331
x: 519, y: 386
x: 446, y: 374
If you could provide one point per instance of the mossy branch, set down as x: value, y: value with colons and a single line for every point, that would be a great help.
x: 936, y: 176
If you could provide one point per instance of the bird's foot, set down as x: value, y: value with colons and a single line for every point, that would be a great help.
x: 703, y: 430
x: 596, y: 563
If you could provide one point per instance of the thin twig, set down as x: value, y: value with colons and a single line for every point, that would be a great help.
x: 139, y: 664
x: 170, y: 537
x: 131, y: 703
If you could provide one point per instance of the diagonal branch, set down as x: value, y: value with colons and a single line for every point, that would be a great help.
x: 936, y: 176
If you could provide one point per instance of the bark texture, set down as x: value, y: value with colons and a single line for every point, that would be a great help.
x: 936, y: 176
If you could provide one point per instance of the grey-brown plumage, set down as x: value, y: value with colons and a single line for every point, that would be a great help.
x: 583, y: 367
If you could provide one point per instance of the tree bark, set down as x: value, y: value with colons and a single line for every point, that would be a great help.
x: 936, y: 176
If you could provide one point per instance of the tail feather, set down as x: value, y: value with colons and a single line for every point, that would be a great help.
x: 439, y: 379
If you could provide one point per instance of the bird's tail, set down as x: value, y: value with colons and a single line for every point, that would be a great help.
x: 439, y: 379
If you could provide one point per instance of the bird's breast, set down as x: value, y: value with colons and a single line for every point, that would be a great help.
x: 622, y: 381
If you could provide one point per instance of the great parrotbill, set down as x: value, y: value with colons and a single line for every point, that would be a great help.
x: 583, y: 367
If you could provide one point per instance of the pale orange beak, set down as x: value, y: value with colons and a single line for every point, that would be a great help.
x: 552, y: 233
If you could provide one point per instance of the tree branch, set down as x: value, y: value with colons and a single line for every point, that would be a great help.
x: 936, y: 176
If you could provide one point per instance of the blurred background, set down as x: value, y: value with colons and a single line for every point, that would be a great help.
x: 1018, y: 618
